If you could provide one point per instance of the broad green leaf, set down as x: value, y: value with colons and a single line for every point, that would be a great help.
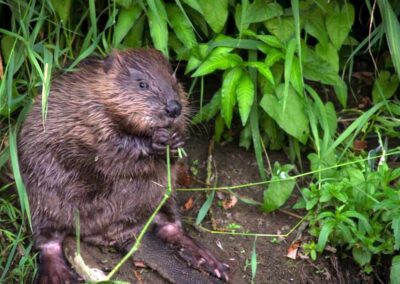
x: 316, y: 68
x: 315, y: 25
x: 125, y: 22
x: 245, y: 96
x: 395, y: 270
x: 384, y: 86
x: 338, y: 22
x: 209, y: 110
x: 329, y: 53
x: 278, y: 191
x: 281, y: 27
x: 219, y: 61
x: 293, y: 120
x: 260, y: 11
x: 181, y: 26
x: 263, y: 69
x: 62, y: 8
x: 361, y: 255
x: 158, y: 28
x: 215, y: 14
x: 228, y: 93
x: 193, y: 4
x: 274, y: 136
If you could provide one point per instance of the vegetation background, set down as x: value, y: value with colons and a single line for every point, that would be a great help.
x: 317, y: 79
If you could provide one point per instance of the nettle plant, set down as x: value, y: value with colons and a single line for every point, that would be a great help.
x: 263, y: 70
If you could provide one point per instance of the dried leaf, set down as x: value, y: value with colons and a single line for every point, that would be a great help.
x: 359, y: 145
x: 292, y: 250
x: 229, y: 203
x: 188, y: 204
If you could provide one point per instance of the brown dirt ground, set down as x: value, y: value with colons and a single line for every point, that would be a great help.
x: 234, y: 166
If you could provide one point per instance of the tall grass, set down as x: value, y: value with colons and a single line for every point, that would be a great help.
x: 39, y: 37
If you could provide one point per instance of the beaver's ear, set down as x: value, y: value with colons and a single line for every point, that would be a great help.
x: 111, y: 61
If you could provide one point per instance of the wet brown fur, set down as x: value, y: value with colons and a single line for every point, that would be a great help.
x: 94, y: 155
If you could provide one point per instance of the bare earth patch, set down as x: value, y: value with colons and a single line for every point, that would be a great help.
x: 234, y: 166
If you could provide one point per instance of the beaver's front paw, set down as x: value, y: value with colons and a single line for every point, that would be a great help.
x: 162, y: 137
x: 202, y: 259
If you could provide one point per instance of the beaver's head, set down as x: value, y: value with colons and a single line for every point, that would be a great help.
x: 143, y: 92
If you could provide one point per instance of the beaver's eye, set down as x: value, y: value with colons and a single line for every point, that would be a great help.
x: 143, y: 85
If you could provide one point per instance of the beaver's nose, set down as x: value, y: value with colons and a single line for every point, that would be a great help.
x: 173, y: 108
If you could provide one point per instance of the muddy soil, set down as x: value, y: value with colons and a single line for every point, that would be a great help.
x: 234, y: 166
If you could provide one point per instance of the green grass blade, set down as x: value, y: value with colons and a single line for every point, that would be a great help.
x: 23, y: 197
x: 355, y: 127
x: 392, y: 29
x: 205, y: 207
x: 92, y: 13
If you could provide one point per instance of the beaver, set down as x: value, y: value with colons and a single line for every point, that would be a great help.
x: 100, y: 154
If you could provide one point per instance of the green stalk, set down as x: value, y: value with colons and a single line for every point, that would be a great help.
x: 138, y: 241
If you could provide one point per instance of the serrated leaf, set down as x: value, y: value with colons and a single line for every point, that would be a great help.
x: 245, y: 96
x: 215, y: 15
x: 126, y: 20
x: 263, y: 69
x: 181, y: 26
x: 271, y: 40
x: 158, y: 28
x: 385, y: 86
x: 209, y: 110
x: 228, y: 93
x: 326, y: 230
x: 339, y: 22
x: 221, y: 61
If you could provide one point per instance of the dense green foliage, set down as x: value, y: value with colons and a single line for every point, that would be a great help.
x: 283, y: 71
